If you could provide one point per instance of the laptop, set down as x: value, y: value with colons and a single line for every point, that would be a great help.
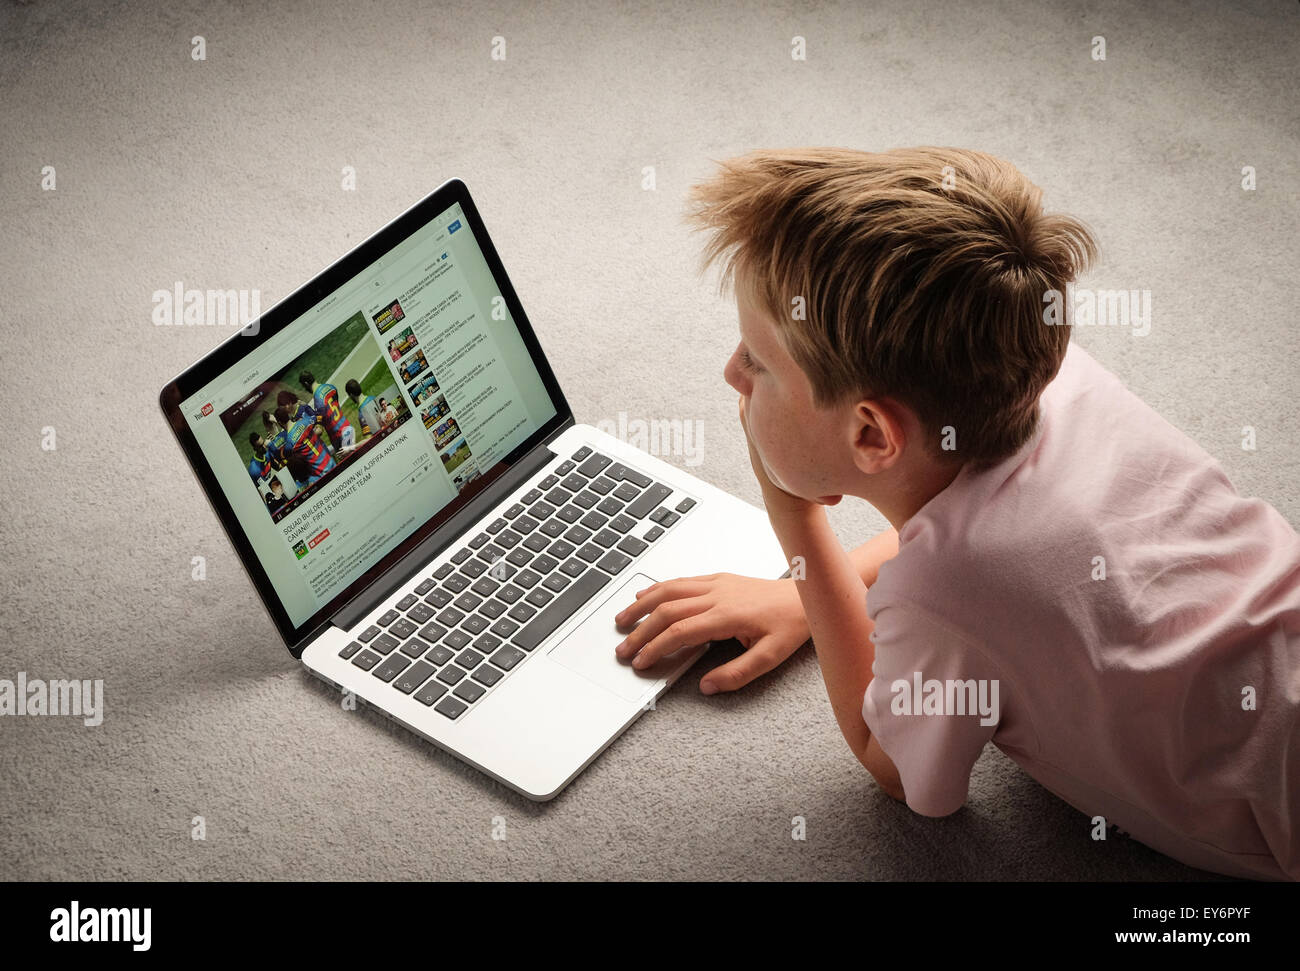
x: 425, y: 522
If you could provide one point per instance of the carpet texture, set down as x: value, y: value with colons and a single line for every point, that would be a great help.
x: 226, y: 173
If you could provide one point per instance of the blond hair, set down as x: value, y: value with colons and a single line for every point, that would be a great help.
x: 922, y: 272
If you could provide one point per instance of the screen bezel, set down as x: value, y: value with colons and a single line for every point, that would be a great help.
x: 230, y: 352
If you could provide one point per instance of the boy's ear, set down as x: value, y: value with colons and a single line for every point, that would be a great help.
x: 879, y: 434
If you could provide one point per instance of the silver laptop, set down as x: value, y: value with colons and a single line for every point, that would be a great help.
x: 428, y: 527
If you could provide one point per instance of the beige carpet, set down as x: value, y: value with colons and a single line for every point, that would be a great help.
x: 225, y: 173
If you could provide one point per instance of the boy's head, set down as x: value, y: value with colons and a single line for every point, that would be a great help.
x: 894, y: 303
x: 353, y: 388
x: 277, y: 487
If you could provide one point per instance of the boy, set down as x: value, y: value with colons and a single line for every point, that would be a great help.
x: 1078, y: 580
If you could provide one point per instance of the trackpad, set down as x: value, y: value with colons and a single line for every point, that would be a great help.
x: 589, y: 650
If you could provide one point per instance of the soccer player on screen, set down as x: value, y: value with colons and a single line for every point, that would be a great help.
x: 305, y: 446
x: 367, y: 408
x: 325, y: 401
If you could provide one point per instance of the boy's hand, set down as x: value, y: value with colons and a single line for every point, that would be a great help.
x: 777, y: 501
x: 766, y: 616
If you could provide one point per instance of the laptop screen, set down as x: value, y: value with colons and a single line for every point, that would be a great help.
x: 351, y: 427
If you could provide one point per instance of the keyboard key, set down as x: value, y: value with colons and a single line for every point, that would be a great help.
x: 548, y: 482
x: 451, y: 617
x: 610, y: 506
x: 580, y: 454
x: 504, y: 627
x: 564, y: 468
x: 413, y: 677
x: 496, y: 525
x: 507, y: 657
x: 593, y: 466
x: 574, y: 483
x: 573, y: 568
x: 578, y: 534
x: 560, y: 549
x: 560, y: 610
x: 456, y: 582
x: 530, y: 497
x: 525, y: 524
x: 487, y: 643
x: 509, y: 538
x: 368, y: 635
x: 407, y: 602
x: 519, y: 556
x: 569, y: 514
x: 603, y: 486
x: 668, y: 518
x: 451, y: 674
x: 456, y: 639
x: 622, y: 523
x: 527, y: 578
x: 384, y: 643
x: 469, y: 691
x: 536, y: 542
x: 432, y: 632
x: 467, y: 601
x: 558, y: 496
x: 653, y: 533
x: 624, y: 474
x: 387, y: 618
x: 605, y: 538
x: 539, y: 597
x: 556, y: 582
x: 474, y: 624
x: 484, y: 587
x: 491, y: 553
x: 453, y: 708
x: 553, y: 527
x: 442, y: 571
x: 414, y: 647
x: 594, y: 520
x: 469, y: 659
x: 478, y: 540
x: 509, y: 593
x: 654, y: 495
x: 586, y: 499
x: 403, y: 629
x: 545, y: 563
x: 542, y: 510
x: 439, y: 654
x: 459, y: 557
x: 425, y: 586
x: 419, y: 613
x: 391, y: 668
x: 502, y: 571
x: 627, y: 492
x: 492, y: 609
x: 431, y: 692
x: 613, y: 561
x: 522, y: 612
x: 474, y: 568
x: 487, y: 674
x: 686, y: 505
x: 632, y: 546
x: 438, y: 598
x: 591, y: 553
x: 350, y: 649
x: 514, y: 511
x: 366, y: 660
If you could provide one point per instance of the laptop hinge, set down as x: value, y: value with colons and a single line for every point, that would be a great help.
x: 349, y: 615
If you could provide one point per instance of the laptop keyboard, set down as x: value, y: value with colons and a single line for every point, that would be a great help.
x: 465, y: 627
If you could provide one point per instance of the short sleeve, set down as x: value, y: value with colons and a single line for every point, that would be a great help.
x: 934, y: 700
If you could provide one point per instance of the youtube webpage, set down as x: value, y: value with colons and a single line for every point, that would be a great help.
x: 352, y: 427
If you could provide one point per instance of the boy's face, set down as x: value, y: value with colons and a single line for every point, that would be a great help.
x: 806, y: 450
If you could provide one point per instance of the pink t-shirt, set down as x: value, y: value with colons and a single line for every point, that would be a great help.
x: 1141, y: 621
